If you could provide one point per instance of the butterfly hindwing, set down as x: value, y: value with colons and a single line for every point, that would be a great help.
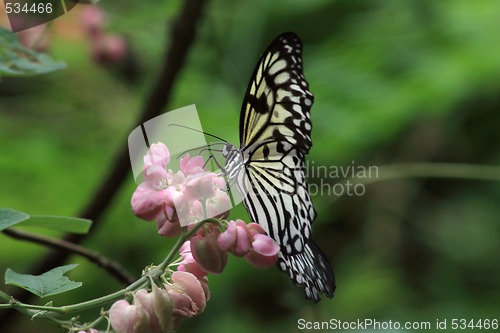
x: 275, y: 180
x: 310, y: 270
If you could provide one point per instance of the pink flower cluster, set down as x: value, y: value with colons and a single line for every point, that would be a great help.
x: 207, y: 250
x: 173, y: 199
x: 188, y: 196
x: 162, y: 309
x: 251, y: 242
x: 106, y: 48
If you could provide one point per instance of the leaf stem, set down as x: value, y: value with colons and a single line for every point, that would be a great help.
x: 4, y: 298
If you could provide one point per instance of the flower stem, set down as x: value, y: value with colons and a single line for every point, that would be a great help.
x: 183, y: 238
x: 140, y: 283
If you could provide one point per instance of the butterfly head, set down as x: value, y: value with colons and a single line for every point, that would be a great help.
x: 227, y: 150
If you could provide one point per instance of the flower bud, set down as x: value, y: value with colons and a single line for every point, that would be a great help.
x: 126, y: 318
x: 207, y: 253
x: 264, y: 248
x: 158, y: 307
x: 157, y: 154
x: 255, y: 229
x: 236, y: 238
x: 227, y: 239
x: 188, y: 264
x: 265, y: 245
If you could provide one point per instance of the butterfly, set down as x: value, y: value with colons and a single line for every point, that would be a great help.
x: 268, y: 169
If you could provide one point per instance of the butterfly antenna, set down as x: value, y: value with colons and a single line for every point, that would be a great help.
x: 194, y: 129
x: 201, y: 149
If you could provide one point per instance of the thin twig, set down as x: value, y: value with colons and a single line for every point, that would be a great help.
x: 183, y: 34
x: 111, y: 266
x: 474, y: 172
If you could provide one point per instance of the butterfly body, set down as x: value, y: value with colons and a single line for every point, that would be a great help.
x: 268, y: 168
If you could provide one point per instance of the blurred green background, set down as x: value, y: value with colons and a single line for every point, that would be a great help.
x: 394, y: 82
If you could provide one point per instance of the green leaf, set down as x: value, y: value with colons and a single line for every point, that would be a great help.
x: 62, y: 223
x: 17, y: 60
x: 10, y: 217
x: 49, y: 283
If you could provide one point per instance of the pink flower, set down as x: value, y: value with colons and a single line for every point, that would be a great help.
x: 126, y: 318
x: 204, y: 285
x: 151, y: 313
x: 206, y: 252
x: 236, y: 238
x: 157, y: 176
x: 147, y: 202
x: 192, y: 166
x: 187, y: 294
x: 219, y: 205
x: 158, y: 307
x: 109, y: 49
x: 186, y: 197
x: 200, y: 186
x: 157, y: 154
x: 264, y: 245
x: 93, y: 19
x: 188, y: 263
x: 167, y: 223
x: 251, y: 242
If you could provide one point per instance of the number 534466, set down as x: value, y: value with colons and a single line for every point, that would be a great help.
x: 35, y: 8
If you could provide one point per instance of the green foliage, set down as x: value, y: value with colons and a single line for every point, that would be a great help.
x: 49, y: 283
x: 60, y: 223
x: 10, y: 217
x: 17, y: 60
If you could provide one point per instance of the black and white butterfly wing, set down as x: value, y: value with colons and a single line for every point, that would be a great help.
x: 275, y: 136
x: 277, y: 103
x: 276, y: 196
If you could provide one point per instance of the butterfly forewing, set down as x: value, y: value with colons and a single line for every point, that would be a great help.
x: 278, y: 101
